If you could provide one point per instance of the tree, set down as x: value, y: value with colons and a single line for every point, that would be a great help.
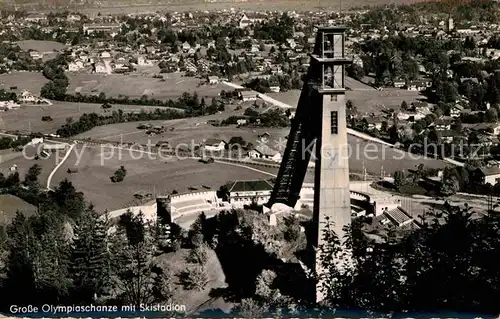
x: 264, y: 284
x: 237, y: 142
x: 163, y: 289
x: 404, y: 106
x: 198, y: 255
x: 90, y: 259
x: 336, y: 268
x: 32, y: 176
x: 449, y: 186
x: 399, y: 180
x: 69, y: 201
x: 196, y: 232
x: 133, y: 248
x: 250, y: 308
x: 491, y: 115
x: 119, y: 175
x: 292, y: 229
x: 194, y: 278
x: 38, y: 260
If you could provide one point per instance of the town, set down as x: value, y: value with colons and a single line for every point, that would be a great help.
x: 175, y: 149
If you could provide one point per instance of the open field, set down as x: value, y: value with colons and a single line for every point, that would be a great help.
x: 137, y: 85
x: 24, y: 163
x: 29, y: 117
x: 118, y: 7
x: 146, y: 174
x: 373, y: 156
x: 10, y: 204
x: 366, y: 100
x: 31, y: 81
x: 41, y: 46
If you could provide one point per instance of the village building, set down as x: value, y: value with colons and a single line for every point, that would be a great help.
x: 213, y: 80
x: 456, y: 110
x: 488, y: 175
x: 26, y: 97
x: 265, y: 152
x: 214, y: 145
x: 248, y: 95
x: 416, y: 86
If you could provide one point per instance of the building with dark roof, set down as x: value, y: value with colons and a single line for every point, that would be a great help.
x: 398, y: 216
x: 488, y: 175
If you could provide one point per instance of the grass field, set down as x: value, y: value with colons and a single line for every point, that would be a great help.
x: 31, y: 81
x: 10, y: 204
x: 146, y: 174
x: 24, y: 163
x: 41, y: 46
x: 374, y: 157
x: 137, y: 85
x: 29, y: 117
x: 367, y: 100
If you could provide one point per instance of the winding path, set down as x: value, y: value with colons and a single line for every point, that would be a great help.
x: 68, y: 152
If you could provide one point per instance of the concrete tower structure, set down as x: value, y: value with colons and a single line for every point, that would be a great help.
x: 320, y: 120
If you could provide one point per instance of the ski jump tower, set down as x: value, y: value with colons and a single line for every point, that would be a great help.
x: 320, y: 120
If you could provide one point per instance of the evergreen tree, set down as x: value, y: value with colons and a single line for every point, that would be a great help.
x: 68, y: 199
x: 38, y: 260
x: 132, y: 261
x: 90, y: 260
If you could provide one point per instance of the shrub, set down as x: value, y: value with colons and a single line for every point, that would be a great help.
x: 119, y: 175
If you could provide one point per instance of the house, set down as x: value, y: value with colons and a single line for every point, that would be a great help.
x: 27, y: 97
x: 456, y: 110
x: 265, y: 152
x: 105, y: 55
x: 248, y: 95
x: 213, y: 80
x: 264, y: 137
x: 142, y: 61
x: 398, y: 216
x: 241, y: 193
x: 241, y: 122
x: 420, y: 107
x: 186, y: 46
x: 35, y: 55
x: 275, y: 88
x: 214, y: 145
x: 75, y: 66
x: 106, y: 28
x: 9, y: 105
x: 442, y: 125
x: 36, y: 17
x: 448, y: 136
x: 491, y: 128
x: 416, y: 86
x: 398, y: 83
x: 100, y: 68
x: 374, y: 123
x: 244, y: 22
x: 73, y: 18
x: 488, y: 175
x: 291, y: 43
